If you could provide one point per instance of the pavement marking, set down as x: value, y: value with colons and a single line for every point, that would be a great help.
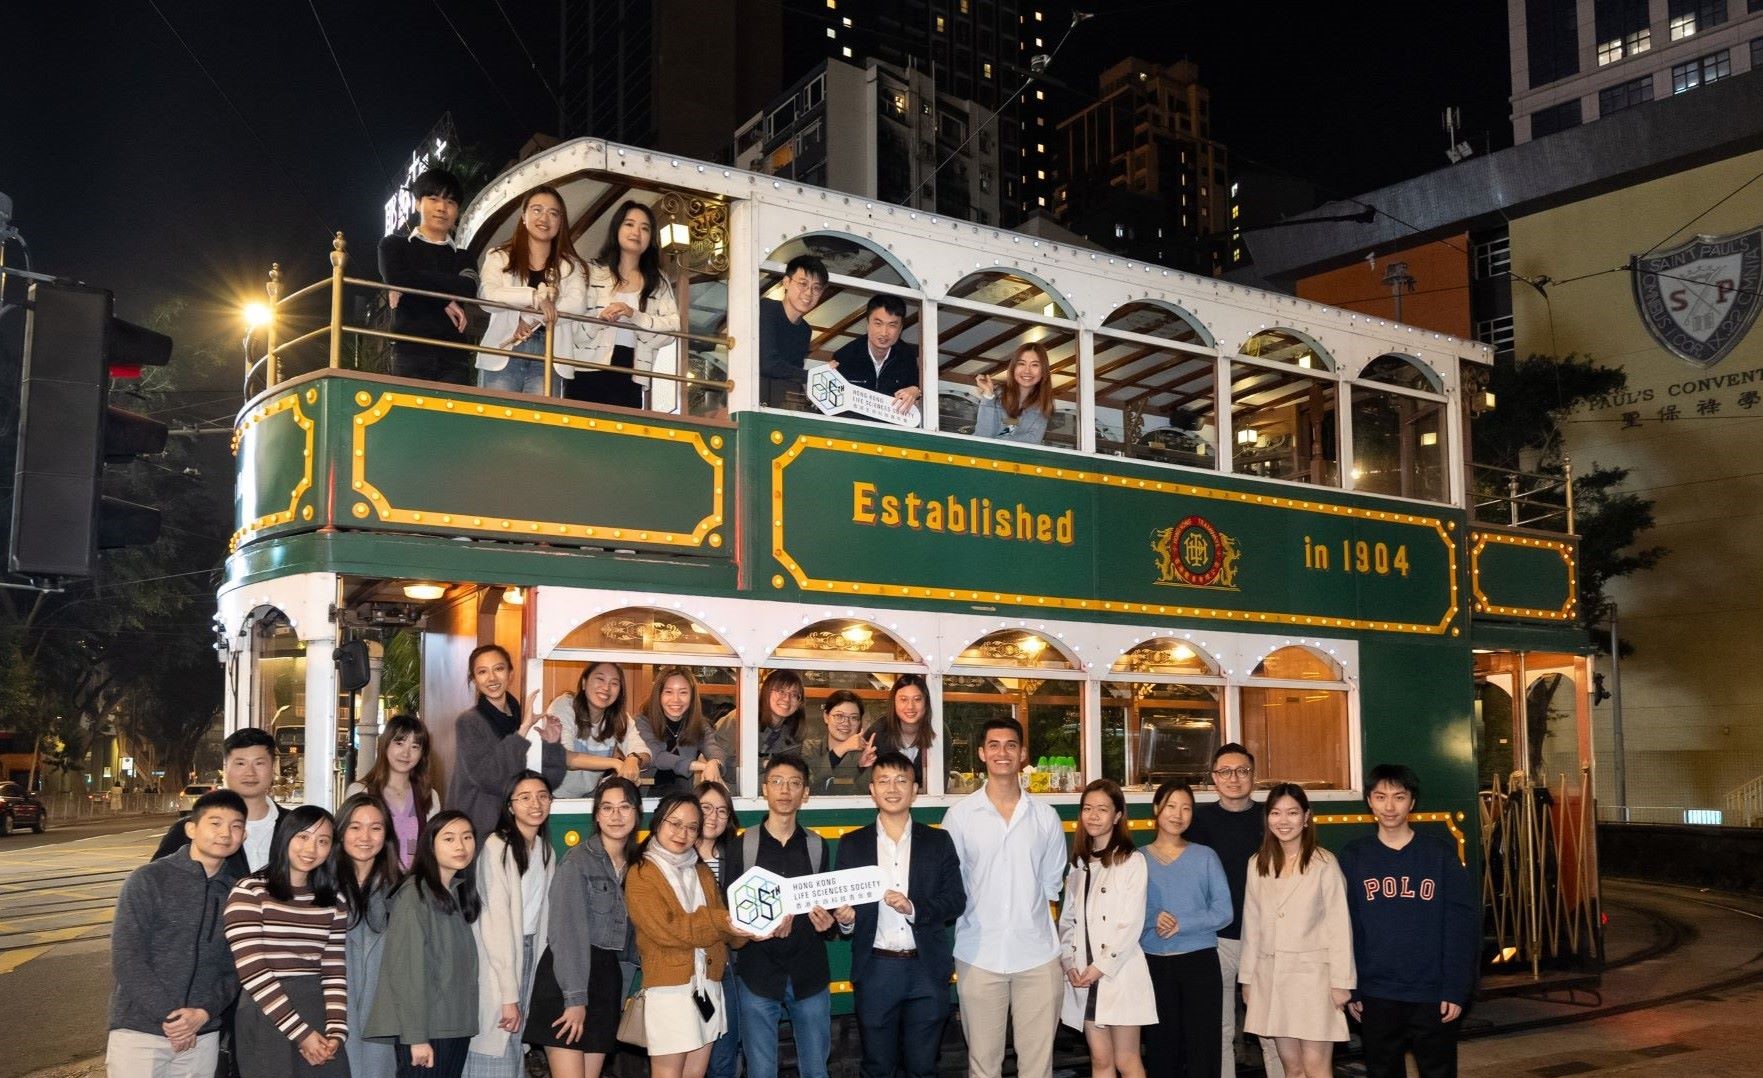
x: 11, y: 960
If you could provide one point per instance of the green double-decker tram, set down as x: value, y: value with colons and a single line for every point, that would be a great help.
x: 1251, y: 520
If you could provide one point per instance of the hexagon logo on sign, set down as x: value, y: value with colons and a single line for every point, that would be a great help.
x: 756, y: 901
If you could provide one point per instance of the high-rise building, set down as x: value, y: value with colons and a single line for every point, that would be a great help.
x: 1143, y: 175
x: 671, y: 75
x: 882, y: 132
x: 1575, y: 61
x: 975, y: 50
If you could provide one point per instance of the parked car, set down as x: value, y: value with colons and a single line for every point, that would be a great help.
x: 187, y: 799
x: 20, y: 809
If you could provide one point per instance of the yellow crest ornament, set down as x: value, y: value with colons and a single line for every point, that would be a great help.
x: 1195, y: 554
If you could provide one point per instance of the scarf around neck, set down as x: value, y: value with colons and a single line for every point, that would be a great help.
x: 504, y: 724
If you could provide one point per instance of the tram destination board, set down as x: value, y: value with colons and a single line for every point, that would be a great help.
x: 876, y: 513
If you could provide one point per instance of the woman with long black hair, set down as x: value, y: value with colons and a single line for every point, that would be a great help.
x: 579, y: 986
x: 426, y: 1003
x: 906, y: 728
x: 367, y: 870
x: 491, y: 741
x: 625, y: 286
x: 288, y: 927
x: 682, y: 747
x: 514, y: 877
x: 717, y: 807
x: 600, y: 737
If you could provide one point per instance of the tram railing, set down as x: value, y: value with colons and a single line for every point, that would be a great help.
x: 1514, y: 499
x: 335, y: 329
x: 1744, y: 806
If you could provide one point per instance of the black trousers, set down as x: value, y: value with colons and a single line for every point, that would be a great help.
x: 450, y: 1053
x: 1185, y: 1038
x: 1389, y: 1029
x: 901, y: 1011
x: 429, y: 364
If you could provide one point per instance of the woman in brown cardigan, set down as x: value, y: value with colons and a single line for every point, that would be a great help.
x: 683, y: 936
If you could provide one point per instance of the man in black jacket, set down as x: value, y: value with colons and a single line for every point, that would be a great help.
x: 880, y: 360
x: 173, y: 968
x: 426, y: 258
x: 250, y: 773
x: 900, y: 947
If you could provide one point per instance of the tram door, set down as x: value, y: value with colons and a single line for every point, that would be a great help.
x: 1538, y: 814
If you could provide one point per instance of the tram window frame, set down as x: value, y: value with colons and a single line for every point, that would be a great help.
x: 1132, y: 726
x: 1373, y: 396
x: 918, y: 310
x: 1185, y: 446
x: 1267, y: 748
x: 1022, y: 708
x: 1068, y: 401
x: 1248, y: 456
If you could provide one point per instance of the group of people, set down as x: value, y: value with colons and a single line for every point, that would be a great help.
x: 537, y: 275
x: 401, y: 936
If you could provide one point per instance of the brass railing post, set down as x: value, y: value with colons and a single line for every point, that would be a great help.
x: 338, y: 260
x: 550, y: 346
x: 1512, y: 498
x: 1567, y: 482
x: 274, y: 288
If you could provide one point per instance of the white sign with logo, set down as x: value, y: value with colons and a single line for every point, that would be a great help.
x: 832, y: 393
x: 760, y: 900
x: 1698, y: 300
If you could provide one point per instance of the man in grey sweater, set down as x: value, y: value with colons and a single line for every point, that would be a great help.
x: 168, y: 950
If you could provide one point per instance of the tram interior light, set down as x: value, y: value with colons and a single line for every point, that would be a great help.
x: 1182, y: 653
x: 1032, y: 646
x: 424, y: 592
x: 1429, y: 437
x: 858, y: 635
x: 1247, y: 436
x: 1050, y: 310
x: 514, y: 597
x: 1305, y: 360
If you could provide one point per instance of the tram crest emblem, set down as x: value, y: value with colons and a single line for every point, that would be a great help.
x: 1699, y: 299
x: 1197, y: 555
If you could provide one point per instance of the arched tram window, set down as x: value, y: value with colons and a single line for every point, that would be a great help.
x: 1013, y: 674
x: 1399, y: 430
x: 851, y: 654
x: 1295, y: 720
x: 1162, y: 715
x: 278, y: 699
x: 1156, y: 386
x: 1284, y: 409
x: 985, y: 319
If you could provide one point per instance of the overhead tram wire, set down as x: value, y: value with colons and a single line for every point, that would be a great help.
x: 514, y: 32
x: 1729, y: 196
x: 1076, y: 18
x: 262, y: 144
x: 360, y: 120
x: 513, y: 112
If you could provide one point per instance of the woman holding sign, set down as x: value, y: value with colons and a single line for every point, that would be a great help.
x: 683, y: 936
x: 1100, y: 919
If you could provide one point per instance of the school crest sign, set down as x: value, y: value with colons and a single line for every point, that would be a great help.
x: 1700, y: 299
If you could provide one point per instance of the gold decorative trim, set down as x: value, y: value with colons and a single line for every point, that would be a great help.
x: 388, y: 401
x: 1092, y: 478
x: 1449, y: 819
x: 1484, y: 605
x: 289, y: 403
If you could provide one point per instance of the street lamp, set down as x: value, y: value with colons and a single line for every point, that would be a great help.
x: 256, y: 315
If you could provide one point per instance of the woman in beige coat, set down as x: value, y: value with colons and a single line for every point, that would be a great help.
x: 514, y: 871
x: 626, y: 286
x: 1108, y: 993
x: 1297, y: 965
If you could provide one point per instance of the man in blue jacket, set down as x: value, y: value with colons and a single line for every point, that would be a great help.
x: 1415, y: 934
x: 173, y: 968
x: 901, y: 954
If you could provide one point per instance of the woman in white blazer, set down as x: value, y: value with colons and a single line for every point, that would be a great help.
x: 1108, y: 994
x: 1297, y: 966
x: 537, y: 270
x: 625, y: 285
x: 514, y: 871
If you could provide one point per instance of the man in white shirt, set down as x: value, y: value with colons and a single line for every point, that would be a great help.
x: 1012, y: 851
x: 250, y: 773
x: 900, y: 960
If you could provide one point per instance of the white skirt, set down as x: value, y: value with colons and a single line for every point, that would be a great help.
x: 674, y: 1023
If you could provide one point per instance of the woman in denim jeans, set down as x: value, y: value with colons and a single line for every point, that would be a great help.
x: 578, y: 990
x: 537, y: 270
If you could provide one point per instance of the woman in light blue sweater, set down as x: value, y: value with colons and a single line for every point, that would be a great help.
x: 1187, y: 900
x: 1015, y: 406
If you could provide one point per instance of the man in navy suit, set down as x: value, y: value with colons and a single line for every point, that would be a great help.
x: 879, y: 360
x: 900, y: 947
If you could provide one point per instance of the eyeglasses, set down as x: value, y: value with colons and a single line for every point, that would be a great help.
x: 530, y: 799
x: 786, y: 691
x: 682, y: 827
x: 715, y: 813
x: 778, y: 782
x: 1233, y: 773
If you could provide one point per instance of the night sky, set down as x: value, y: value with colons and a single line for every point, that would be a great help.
x: 130, y: 170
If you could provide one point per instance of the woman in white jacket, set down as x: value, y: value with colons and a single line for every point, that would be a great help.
x: 514, y: 871
x: 625, y: 285
x: 1297, y: 967
x: 1109, y: 992
x: 537, y: 270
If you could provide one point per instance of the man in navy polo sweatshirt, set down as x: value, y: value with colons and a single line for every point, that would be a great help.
x: 1415, y: 934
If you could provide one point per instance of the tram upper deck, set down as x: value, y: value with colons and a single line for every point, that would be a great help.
x: 1232, y: 481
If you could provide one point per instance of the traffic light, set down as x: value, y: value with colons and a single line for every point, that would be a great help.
x: 67, y: 432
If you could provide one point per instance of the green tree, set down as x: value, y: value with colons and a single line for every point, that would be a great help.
x: 1523, y: 433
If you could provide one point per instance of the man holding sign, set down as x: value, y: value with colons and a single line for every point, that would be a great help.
x: 900, y: 950
x: 880, y: 361
x: 787, y: 973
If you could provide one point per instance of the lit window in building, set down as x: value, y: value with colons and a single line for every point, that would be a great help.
x: 830, y: 32
x: 832, y: 5
x: 1040, y: 147
x: 988, y: 70
x: 847, y: 22
x: 1120, y: 232
x: 1040, y: 173
x: 1236, y: 212
x: 1040, y: 95
x: 1041, y: 201
x: 963, y: 7
x: 1039, y: 44
x: 1627, y: 45
x: 847, y: 51
x: 1687, y: 18
x: 1711, y: 68
x: 940, y: 24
